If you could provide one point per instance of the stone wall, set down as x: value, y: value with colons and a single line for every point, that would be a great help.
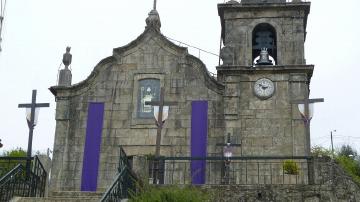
x: 271, y: 127
x: 331, y: 184
x: 115, y: 82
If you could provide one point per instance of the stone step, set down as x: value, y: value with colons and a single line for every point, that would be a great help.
x: 49, y: 199
x: 71, y: 196
x: 74, y: 194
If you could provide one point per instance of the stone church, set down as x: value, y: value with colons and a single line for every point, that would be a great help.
x: 263, y: 70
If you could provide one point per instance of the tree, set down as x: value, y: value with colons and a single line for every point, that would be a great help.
x: 7, y: 164
x: 18, y: 152
x: 348, y: 151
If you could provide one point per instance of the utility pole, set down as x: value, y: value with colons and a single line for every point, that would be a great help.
x: 2, y: 14
x: 332, y: 143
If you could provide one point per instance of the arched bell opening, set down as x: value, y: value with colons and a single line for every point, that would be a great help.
x: 264, y: 38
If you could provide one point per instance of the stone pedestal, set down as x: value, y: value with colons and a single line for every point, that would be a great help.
x: 65, y: 77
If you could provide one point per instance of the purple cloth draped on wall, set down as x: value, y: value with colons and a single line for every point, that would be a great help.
x: 92, y: 147
x: 199, y: 128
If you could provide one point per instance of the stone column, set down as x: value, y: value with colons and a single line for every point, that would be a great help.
x: 60, y: 149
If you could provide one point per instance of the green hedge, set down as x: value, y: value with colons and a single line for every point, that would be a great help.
x: 170, y: 194
x: 351, y: 166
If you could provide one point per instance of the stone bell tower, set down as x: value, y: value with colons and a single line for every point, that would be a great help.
x: 264, y: 70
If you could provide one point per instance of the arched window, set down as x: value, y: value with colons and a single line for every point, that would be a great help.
x: 264, y: 36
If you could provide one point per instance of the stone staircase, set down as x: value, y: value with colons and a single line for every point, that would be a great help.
x: 68, y: 196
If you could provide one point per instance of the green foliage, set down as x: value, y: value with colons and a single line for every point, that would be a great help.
x: 7, y: 165
x: 319, y: 151
x: 18, y: 152
x: 170, y: 194
x: 290, y: 167
x: 351, y: 166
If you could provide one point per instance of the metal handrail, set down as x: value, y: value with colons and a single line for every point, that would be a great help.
x: 124, y: 182
x: 241, y: 170
x: 20, y: 182
x: 10, y: 174
x: 237, y: 158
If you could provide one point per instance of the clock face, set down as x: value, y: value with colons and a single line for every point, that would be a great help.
x: 264, y: 88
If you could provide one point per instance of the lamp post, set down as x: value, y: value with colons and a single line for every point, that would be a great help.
x: 227, y: 152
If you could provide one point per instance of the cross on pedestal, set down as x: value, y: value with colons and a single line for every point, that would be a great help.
x: 306, y: 102
x: 159, y: 123
x: 31, y: 124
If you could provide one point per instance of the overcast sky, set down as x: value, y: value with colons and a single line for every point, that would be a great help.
x: 36, y: 32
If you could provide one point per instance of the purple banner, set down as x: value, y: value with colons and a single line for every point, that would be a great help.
x: 199, y: 128
x: 92, y: 147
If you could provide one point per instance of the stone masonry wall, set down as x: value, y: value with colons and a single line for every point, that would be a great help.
x: 114, y: 82
x: 271, y: 127
x: 331, y: 184
x: 287, y: 19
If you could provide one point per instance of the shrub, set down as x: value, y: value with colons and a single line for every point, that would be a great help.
x: 7, y: 165
x: 319, y: 151
x: 351, y: 166
x: 169, y: 194
x: 290, y: 167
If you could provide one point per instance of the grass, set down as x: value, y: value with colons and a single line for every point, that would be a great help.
x: 170, y: 194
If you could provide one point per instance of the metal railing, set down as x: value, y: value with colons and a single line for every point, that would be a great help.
x: 236, y: 170
x: 8, y: 163
x: 287, y: 1
x: 124, y: 183
x: 20, y: 182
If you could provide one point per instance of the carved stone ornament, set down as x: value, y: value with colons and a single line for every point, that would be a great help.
x: 262, y: 1
x: 67, y: 57
x: 153, y: 20
x: 227, y: 55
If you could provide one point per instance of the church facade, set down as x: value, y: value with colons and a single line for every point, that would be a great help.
x: 250, y: 99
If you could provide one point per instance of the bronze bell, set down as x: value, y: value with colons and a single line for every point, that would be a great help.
x: 264, y: 58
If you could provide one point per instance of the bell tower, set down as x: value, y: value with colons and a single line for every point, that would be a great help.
x: 264, y: 70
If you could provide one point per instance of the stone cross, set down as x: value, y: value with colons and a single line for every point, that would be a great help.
x: 33, y: 105
x: 306, y: 102
x: 159, y: 124
x: 159, y: 121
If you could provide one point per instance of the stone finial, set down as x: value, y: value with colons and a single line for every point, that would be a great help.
x: 65, y: 75
x: 232, y: 2
x: 262, y: 1
x: 153, y: 20
x: 67, y: 57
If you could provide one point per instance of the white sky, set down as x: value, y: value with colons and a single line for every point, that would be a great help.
x: 36, y: 32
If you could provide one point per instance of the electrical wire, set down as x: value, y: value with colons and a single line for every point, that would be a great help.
x: 205, y: 51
